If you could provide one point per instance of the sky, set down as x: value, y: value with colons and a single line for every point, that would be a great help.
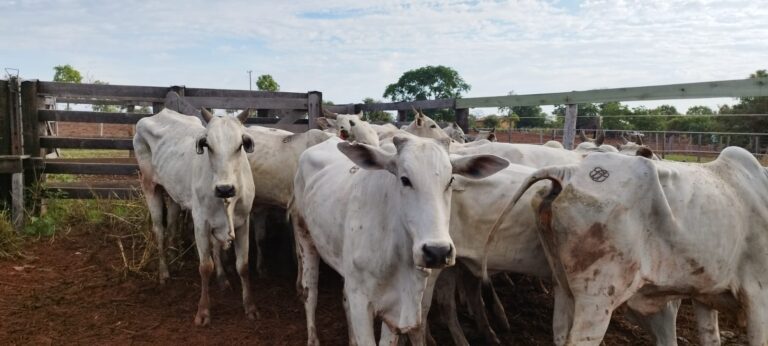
x: 351, y: 49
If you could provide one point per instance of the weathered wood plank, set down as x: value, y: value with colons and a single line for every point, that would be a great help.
x: 406, y: 106
x: 314, y: 108
x: 267, y: 121
x: 341, y: 109
x: 86, y: 143
x: 5, y: 118
x: 82, y: 191
x: 295, y: 128
x: 29, y: 108
x: 462, y: 118
x: 17, y: 201
x: 90, y: 117
x: 105, y: 91
x: 12, y: 163
x: 243, y: 103
x: 569, y: 128
x: 91, y: 168
x: 728, y: 88
x: 198, y: 92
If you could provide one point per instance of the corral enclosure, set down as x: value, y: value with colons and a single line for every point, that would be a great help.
x: 30, y: 112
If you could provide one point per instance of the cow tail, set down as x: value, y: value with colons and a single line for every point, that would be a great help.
x: 556, y: 174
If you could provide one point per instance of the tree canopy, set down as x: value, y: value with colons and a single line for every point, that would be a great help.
x: 376, y: 116
x: 426, y: 83
x: 67, y: 74
x: 265, y: 82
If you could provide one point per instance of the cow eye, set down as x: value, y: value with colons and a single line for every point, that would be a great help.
x: 406, y: 182
x: 433, y: 126
x: 451, y: 182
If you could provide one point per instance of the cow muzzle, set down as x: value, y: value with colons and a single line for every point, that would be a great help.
x: 225, y: 191
x: 438, y: 255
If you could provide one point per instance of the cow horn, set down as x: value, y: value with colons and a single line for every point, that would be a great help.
x: 600, y: 138
x: 583, y: 136
x: 243, y: 116
x: 328, y: 114
x: 639, y: 138
x: 624, y: 140
x: 207, y: 116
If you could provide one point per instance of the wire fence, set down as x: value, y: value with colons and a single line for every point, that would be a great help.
x: 681, y: 145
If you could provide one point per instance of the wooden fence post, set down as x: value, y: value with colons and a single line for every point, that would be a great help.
x: 5, y: 140
x: 569, y: 130
x: 698, y: 151
x: 462, y: 118
x: 402, y: 116
x: 314, y: 108
x: 31, y: 139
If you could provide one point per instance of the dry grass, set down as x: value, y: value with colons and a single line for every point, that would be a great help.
x: 10, y: 241
x: 92, y: 153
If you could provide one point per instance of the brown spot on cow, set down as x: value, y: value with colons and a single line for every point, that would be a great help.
x: 698, y: 271
x: 590, y: 248
x: 611, y: 290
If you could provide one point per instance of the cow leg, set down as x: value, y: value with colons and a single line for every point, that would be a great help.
x: 563, y: 314
x: 172, y: 221
x: 755, y: 301
x: 473, y: 287
x: 202, y: 241
x: 221, y: 275
x: 661, y: 325
x: 361, y: 316
x: 156, y: 204
x: 496, y: 307
x: 707, y: 325
x: 388, y: 338
x: 445, y: 297
x: 591, y: 316
x: 241, y: 251
x: 309, y: 270
x: 259, y: 226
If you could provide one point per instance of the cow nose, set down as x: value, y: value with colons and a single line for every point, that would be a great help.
x: 225, y: 191
x: 437, y: 256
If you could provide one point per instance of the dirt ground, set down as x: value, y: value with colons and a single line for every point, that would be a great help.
x: 74, y: 290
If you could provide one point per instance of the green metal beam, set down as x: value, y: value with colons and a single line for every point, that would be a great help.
x: 729, y: 88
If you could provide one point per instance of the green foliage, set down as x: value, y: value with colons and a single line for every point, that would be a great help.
x: 490, y: 121
x: 746, y: 105
x: 10, y: 241
x: 648, y: 120
x: 699, y: 110
x: 426, y: 83
x: 265, y: 82
x: 104, y: 107
x: 586, y: 115
x: 67, y: 74
x: 525, y: 116
x: 612, y: 111
x: 376, y: 116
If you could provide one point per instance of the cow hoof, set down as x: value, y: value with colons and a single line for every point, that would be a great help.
x: 224, y: 285
x: 251, y: 313
x: 203, y: 319
x: 164, y: 278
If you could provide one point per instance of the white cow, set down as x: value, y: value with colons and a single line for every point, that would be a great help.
x: 274, y: 162
x: 627, y: 229
x: 455, y: 132
x: 380, y: 219
x: 203, y: 169
x: 424, y: 126
x: 350, y: 127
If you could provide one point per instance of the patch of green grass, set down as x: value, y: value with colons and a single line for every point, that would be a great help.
x: 10, y: 241
x: 92, y: 153
x: 61, y: 178
x: 688, y: 158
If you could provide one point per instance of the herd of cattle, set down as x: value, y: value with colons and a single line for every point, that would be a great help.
x: 407, y: 215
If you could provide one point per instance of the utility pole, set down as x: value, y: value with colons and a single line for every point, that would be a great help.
x: 250, y: 83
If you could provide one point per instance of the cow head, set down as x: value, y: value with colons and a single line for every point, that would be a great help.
x: 422, y: 175
x: 424, y: 126
x: 455, y: 132
x: 227, y: 143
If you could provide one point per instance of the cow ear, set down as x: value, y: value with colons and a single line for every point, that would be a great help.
x: 645, y: 152
x: 243, y: 116
x: 323, y: 123
x: 368, y: 157
x: 478, y: 166
x: 247, y: 143
x: 351, y: 123
x: 201, y: 143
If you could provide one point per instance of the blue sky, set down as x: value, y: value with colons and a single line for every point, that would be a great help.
x: 352, y: 49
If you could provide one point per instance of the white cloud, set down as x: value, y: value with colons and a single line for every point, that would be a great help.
x: 353, y: 49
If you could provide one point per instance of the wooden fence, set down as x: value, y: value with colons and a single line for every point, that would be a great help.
x: 27, y: 107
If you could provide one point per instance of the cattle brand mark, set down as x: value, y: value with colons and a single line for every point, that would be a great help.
x: 353, y: 169
x: 599, y: 175
x: 288, y: 139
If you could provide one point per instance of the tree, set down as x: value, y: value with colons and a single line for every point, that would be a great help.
x: 426, y: 83
x: 527, y: 116
x: 376, y: 116
x: 265, y: 82
x: 97, y: 107
x: 490, y: 121
x: 67, y: 74
x: 615, y: 116
x: 644, y: 119
x: 586, y: 115
x: 699, y: 110
x: 746, y: 105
